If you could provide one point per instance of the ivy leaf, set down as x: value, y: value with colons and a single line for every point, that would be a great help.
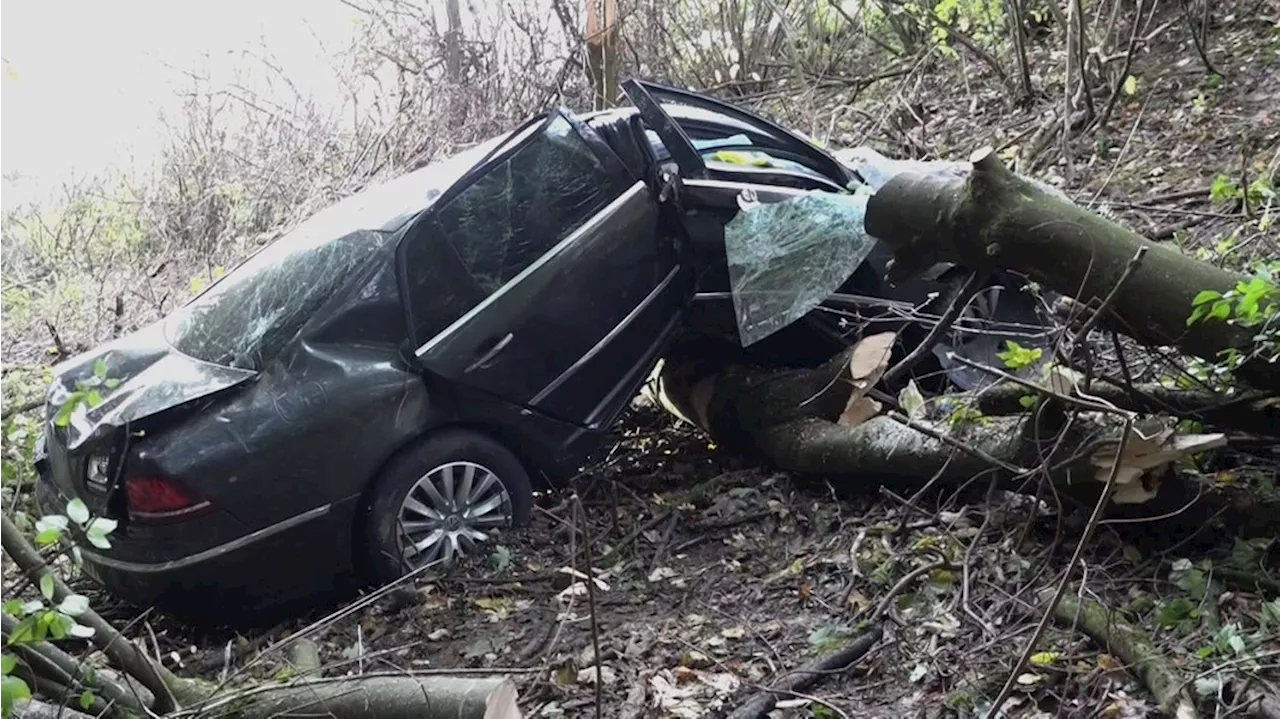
x: 7, y: 663
x: 100, y: 368
x: 46, y: 586
x: 86, y: 699
x: 77, y: 511
x: 98, y: 530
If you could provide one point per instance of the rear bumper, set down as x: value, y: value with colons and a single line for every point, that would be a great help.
x: 303, y: 557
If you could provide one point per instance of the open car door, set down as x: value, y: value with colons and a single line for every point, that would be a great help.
x: 726, y: 135
x: 549, y: 277
x: 785, y: 245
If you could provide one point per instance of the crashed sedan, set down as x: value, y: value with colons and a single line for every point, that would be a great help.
x: 388, y: 384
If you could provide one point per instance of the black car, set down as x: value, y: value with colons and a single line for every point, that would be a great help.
x: 389, y: 382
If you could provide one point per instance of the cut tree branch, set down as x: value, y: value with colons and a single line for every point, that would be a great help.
x: 995, y: 220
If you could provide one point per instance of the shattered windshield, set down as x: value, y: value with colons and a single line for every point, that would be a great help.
x: 786, y: 257
x: 248, y: 317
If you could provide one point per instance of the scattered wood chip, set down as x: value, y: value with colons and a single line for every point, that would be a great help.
x: 867, y: 365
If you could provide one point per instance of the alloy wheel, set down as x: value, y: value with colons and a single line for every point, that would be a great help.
x: 449, y: 511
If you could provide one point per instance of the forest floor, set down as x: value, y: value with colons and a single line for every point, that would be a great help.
x: 726, y: 574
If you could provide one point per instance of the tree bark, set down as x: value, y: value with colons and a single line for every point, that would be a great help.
x: 1122, y: 639
x: 996, y: 220
x: 385, y: 696
x: 795, y: 419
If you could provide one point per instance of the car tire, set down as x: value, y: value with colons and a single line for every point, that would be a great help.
x: 417, y: 488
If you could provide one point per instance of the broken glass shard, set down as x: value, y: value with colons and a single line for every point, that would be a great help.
x: 786, y: 257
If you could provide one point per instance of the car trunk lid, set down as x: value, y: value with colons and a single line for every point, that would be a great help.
x: 95, y: 397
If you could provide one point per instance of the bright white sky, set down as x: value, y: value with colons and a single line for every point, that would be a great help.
x: 88, y: 76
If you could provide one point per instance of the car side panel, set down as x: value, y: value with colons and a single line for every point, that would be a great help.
x: 576, y: 321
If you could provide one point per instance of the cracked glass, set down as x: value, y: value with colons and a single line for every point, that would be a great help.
x: 786, y: 257
x: 248, y: 317
x: 523, y: 206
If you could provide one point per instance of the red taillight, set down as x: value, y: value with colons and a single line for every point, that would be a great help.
x: 159, y: 499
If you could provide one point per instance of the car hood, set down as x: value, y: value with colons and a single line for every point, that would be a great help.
x: 128, y: 379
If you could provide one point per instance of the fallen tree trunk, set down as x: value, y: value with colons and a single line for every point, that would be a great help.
x: 821, y: 421
x: 402, y: 696
x: 996, y: 220
x: 57, y: 676
x: 1252, y: 413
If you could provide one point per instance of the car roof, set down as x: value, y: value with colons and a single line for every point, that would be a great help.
x: 386, y: 206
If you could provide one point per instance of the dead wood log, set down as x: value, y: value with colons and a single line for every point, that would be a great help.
x: 1122, y: 639
x: 995, y: 220
x: 402, y: 696
x: 53, y: 673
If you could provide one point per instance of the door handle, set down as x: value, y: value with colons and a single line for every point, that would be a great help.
x: 490, y: 353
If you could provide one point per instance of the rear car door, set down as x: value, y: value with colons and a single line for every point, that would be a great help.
x: 549, y: 277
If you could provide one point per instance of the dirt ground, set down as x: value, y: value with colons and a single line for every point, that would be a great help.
x: 715, y: 574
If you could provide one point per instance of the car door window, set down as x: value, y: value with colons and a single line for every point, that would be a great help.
x: 522, y: 207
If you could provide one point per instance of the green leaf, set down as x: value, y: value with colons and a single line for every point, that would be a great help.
x: 1131, y: 85
x: 7, y: 663
x: 912, y: 400
x: 13, y: 689
x: 12, y: 607
x: 102, y: 525
x: 1223, y: 189
x: 24, y: 633
x: 1044, y: 658
x: 48, y: 536
x: 60, y: 625
x: 1175, y: 612
x: 98, y: 541
x: 111, y: 383
x: 86, y: 699
x: 74, y: 605
x: 46, y: 587
x: 1204, y: 296
x: 93, y: 398
x: 51, y: 521
x: 63, y: 418
x: 77, y: 511
x: 81, y: 631
x: 1016, y: 356
x: 100, y: 368
x: 1027, y: 401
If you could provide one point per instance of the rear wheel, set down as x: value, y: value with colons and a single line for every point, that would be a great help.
x: 443, y: 500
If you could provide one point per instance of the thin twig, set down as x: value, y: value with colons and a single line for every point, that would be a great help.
x: 591, y: 598
x: 971, y: 285
x: 1071, y: 565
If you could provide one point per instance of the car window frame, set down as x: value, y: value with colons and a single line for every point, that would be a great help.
x: 424, y: 227
x: 798, y: 144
